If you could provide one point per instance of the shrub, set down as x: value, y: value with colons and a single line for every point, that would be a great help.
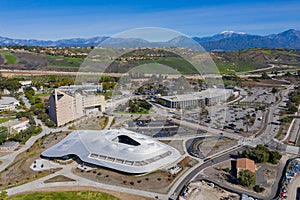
x: 227, y: 170
x: 258, y: 189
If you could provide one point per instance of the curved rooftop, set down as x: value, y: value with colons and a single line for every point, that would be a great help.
x: 120, y: 150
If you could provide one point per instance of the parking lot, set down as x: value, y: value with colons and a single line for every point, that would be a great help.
x: 243, y: 116
x: 291, y: 180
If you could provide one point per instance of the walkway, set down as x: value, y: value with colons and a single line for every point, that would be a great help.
x: 79, y: 181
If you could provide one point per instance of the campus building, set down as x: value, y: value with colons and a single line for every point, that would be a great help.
x: 16, y: 125
x: 206, y: 97
x: 120, y: 150
x: 69, y: 103
x: 8, y: 103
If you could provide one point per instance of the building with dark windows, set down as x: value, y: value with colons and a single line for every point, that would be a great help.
x: 206, y: 97
x: 72, y: 102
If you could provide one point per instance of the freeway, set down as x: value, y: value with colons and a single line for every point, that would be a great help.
x: 9, y: 73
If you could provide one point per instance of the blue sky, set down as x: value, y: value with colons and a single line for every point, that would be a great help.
x: 51, y: 19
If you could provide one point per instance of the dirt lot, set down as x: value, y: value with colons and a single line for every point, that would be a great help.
x: 93, y: 123
x: 59, y: 178
x: 3, y: 153
x: 201, y: 190
x: 266, y: 174
x: 220, y: 145
x: 19, y: 171
x: 159, y: 181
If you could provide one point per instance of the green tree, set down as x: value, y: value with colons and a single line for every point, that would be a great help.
x: 274, y: 157
x: 49, y: 123
x: 246, y: 178
x: 3, y: 195
x: 134, y: 108
x: 29, y: 93
x: 3, y: 134
x: 287, y: 119
x: 264, y: 75
x: 261, y: 154
x: 274, y: 90
x: 11, y: 84
x: 291, y: 108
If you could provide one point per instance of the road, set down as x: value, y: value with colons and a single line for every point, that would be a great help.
x: 294, y: 128
x: 267, y: 134
x: 268, y: 131
x: 196, y: 169
x: 208, y: 129
x: 9, y: 73
x: 292, y: 189
x: 79, y: 181
x: 9, y: 158
x: 110, y: 120
x: 26, y: 102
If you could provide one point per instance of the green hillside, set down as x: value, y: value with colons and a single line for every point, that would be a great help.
x: 227, y: 62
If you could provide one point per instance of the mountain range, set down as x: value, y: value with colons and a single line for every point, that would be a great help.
x: 224, y: 41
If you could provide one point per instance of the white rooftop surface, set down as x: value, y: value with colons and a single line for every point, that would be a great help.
x: 9, y: 144
x: 100, y: 147
x: 209, y: 93
x: 8, y: 100
x: 14, y: 122
x: 25, y: 82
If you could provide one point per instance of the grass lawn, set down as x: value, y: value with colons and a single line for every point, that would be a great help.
x: 65, y: 196
x: 2, y: 120
x: 62, y: 61
x: 227, y: 68
x: 42, y: 95
x: 10, y: 59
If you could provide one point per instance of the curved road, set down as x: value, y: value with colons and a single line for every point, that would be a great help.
x: 267, y: 134
x: 176, y: 189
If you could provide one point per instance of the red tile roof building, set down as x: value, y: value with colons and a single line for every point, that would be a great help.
x: 245, y: 164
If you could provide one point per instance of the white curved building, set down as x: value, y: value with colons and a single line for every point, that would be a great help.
x: 120, y: 150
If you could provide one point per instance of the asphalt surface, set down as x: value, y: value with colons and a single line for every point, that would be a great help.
x: 207, y: 163
x: 265, y: 135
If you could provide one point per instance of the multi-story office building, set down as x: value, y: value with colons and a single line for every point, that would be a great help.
x: 206, y: 97
x: 67, y: 104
